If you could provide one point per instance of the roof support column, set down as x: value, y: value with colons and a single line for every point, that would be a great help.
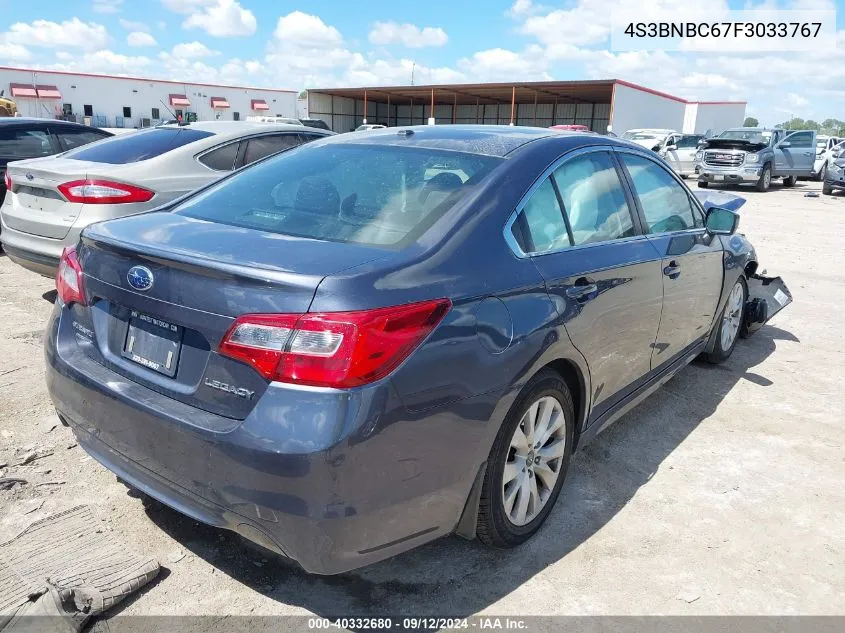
x: 535, y: 108
x: 513, y: 101
x: 431, y: 117
x: 365, y: 106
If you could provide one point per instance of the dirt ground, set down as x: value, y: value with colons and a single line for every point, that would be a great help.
x: 724, y: 493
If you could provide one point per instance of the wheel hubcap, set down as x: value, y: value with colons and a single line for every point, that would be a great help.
x: 767, y: 178
x: 731, y: 319
x: 534, y: 460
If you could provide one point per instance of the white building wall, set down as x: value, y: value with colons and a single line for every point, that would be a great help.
x: 715, y: 118
x: 635, y: 108
x: 109, y: 95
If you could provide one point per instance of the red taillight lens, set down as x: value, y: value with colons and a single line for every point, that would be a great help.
x: 69, y: 278
x: 8, y: 179
x: 103, y: 192
x: 332, y: 349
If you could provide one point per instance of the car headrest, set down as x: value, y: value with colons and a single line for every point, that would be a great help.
x: 319, y: 196
x: 444, y: 181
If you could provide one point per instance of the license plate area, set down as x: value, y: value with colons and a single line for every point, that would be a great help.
x: 153, y: 343
x: 718, y: 178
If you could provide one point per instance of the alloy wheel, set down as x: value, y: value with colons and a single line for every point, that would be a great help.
x: 534, y: 460
x: 732, y: 317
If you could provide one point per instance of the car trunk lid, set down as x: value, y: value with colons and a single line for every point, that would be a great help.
x: 202, y: 276
x: 35, y: 204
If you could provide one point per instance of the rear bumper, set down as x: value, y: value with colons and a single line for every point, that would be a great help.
x: 334, y: 480
x: 835, y: 179
x: 34, y: 252
x: 41, y: 264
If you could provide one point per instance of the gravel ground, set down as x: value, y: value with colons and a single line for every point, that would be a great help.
x: 722, y: 494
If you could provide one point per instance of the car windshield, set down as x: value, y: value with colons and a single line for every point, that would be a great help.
x: 688, y: 141
x: 752, y: 136
x: 143, y: 145
x: 369, y: 194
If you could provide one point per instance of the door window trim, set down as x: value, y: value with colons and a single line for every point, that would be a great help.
x: 507, y: 232
x: 694, y: 202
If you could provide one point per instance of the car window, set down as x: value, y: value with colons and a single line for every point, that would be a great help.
x: 593, y: 199
x: 222, y: 158
x: 665, y: 202
x: 800, y: 140
x: 540, y: 226
x: 259, y: 147
x: 138, y: 146
x: 688, y: 141
x: 366, y: 194
x: 17, y: 143
x: 76, y: 138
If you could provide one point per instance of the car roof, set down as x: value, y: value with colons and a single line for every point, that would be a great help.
x: 234, y: 129
x: 23, y: 120
x: 492, y: 140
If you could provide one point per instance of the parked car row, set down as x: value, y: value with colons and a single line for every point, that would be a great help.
x: 345, y: 350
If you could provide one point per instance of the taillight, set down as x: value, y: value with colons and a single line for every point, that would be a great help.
x: 103, y: 192
x: 69, y: 278
x: 8, y: 179
x: 332, y: 349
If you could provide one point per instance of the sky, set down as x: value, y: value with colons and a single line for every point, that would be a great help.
x: 321, y: 43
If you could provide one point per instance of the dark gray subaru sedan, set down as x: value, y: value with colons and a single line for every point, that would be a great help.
x: 369, y: 342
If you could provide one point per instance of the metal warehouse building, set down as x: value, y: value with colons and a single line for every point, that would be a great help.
x: 601, y: 105
x: 112, y: 101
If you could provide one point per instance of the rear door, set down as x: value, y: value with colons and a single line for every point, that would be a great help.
x: 691, y: 259
x: 796, y: 152
x: 580, y: 228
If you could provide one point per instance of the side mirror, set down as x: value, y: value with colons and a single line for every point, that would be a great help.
x: 671, y: 148
x: 784, y: 144
x: 720, y: 221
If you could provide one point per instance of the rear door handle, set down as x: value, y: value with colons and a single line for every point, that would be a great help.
x: 582, y: 291
x: 672, y: 271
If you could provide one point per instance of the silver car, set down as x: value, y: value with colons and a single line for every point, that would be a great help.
x: 52, y: 199
x: 679, y: 151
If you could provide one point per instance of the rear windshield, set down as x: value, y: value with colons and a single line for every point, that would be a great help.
x: 138, y: 146
x: 369, y: 194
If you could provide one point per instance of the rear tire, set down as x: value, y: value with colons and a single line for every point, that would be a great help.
x: 822, y: 172
x: 789, y: 181
x: 765, y: 180
x: 520, y: 490
x: 703, y: 184
x: 731, y: 322
x: 827, y: 189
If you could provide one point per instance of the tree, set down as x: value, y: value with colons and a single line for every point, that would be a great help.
x: 750, y: 121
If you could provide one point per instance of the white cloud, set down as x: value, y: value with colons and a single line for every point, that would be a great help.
x: 409, y: 35
x: 104, y: 61
x: 106, y: 6
x: 131, y: 25
x: 193, y: 50
x: 13, y: 52
x: 140, y: 38
x: 73, y: 32
x: 307, y: 31
x: 220, y: 18
x: 499, y: 64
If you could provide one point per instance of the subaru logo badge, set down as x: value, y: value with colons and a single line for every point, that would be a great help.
x: 29, y: 176
x: 140, y: 278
